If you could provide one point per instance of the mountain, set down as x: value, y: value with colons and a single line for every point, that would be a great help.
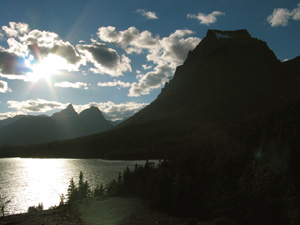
x: 116, y: 122
x: 95, y: 120
x: 30, y: 130
x: 230, y: 122
x: 229, y: 75
x: 8, y: 121
x: 229, y: 79
x: 66, y: 113
x: 66, y: 124
x: 72, y: 124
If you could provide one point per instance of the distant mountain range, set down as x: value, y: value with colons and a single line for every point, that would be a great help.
x: 227, y: 83
x: 66, y: 124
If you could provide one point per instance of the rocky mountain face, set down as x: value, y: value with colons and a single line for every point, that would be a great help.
x: 66, y: 124
x: 229, y: 79
x: 229, y: 75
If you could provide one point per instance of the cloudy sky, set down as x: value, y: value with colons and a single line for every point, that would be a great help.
x: 118, y: 54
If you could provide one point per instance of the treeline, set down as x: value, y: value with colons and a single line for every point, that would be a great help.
x: 225, y: 187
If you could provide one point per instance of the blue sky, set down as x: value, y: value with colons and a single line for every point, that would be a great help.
x: 117, y: 55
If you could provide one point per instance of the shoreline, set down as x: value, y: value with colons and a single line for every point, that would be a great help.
x: 61, y: 215
x: 92, y: 211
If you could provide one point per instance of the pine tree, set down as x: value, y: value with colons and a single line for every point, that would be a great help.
x: 72, y: 191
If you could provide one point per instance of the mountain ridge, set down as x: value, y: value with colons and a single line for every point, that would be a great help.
x: 228, y: 78
x: 219, y: 56
x: 66, y: 124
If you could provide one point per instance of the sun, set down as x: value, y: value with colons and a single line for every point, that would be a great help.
x: 45, y: 68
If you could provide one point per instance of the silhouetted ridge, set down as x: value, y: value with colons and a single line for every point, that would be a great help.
x: 219, y: 34
x: 293, y: 67
x: 228, y: 75
x: 228, y: 79
x: 67, y: 112
x: 25, y: 130
x: 228, y: 124
x: 95, y: 119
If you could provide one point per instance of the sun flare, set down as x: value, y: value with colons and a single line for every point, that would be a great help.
x: 46, y: 67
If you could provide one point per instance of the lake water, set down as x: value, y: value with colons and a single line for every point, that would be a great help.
x: 28, y: 182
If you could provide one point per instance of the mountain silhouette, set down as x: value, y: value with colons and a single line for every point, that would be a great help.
x: 95, y: 120
x: 229, y: 75
x: 72, y: 124
x: 10, y: 120
x: 229, y: 78
x: 68, y: 112
x: 66, y: 124
x: 229, y: 121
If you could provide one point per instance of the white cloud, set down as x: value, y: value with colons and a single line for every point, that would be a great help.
x: 15, y: 29
x: 174, y: 49
x: 146, y: 67
x: 4, y: 87
x: 106, y: 60
x: 66, y: 84
x: 131, y: 40
x: 110, y: 109
x: 7, y: 115
x: 151, y: 80
x: 114, y: 111
x: 281, y: 16
x: 18, y: 77
x: 296, y: 13
x: 26, y: 48
x: 115, y: 83
x: 166, y: 53
x: 206, y: 19
x: 148, y: 14
x: 39, y: 105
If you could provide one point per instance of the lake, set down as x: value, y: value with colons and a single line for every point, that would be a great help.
x: 28, y: 182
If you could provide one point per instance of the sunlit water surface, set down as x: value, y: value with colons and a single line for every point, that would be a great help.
x: 28, y: 182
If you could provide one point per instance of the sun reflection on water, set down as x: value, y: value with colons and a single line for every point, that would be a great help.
x: 28, y: 182
x: 44, y: 181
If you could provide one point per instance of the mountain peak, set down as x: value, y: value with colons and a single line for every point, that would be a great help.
x: 91, y: 110
x: 94, y: 108
x: 228, y: 75
x: 67, y: 112
x: 70, y: 107
x: 94, y: 117
x: 236, y: 34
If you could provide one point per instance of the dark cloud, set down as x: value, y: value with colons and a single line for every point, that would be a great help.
x: 66, y: 51
x: 39, y: 105
x: 105, y: 59
x: 61, y: 49
x: 12, y: 64
x: 103, y: 55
